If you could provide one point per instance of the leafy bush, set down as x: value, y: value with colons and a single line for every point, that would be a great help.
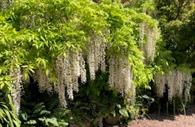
x: 40, y: 116
x: 94, y: 101
x: 7, y: 117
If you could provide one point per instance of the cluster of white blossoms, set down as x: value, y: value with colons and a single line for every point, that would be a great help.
x: 141, y: 35
x: 147, y: 42
x: 16, y: 75
x: 178, y: 82
x: 60, y: 86
x: 72, y: 67
x: 43, y: 80
x: 68, y: 70
x: 5, y: 3
x: 96, y: 55
x: 120, y: 74
x: 160, y: 81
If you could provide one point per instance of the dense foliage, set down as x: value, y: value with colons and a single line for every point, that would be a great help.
x: 176, y: 22
x: 89, y: 57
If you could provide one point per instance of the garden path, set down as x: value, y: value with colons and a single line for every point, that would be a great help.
x: 167, y: 121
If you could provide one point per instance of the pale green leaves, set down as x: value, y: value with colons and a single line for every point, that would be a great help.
x: 7, y: 117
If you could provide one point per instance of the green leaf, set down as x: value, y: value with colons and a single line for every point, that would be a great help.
x: 24, y: 116
x: 124, y: 112
x: 52, y: 121
x: 31, y: 122
x: 11, y: 124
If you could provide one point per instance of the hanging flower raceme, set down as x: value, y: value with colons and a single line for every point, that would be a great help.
x: 147, y: 41
x: 150, y: 45
x: 16, y: 75
x: 96, y: 55
x: 159, y: 80
x: 60, y: 86
x: 141, y: 35
x: 68, y: 70
x: 43, y: 80
x: 178, y: 82
x: 120, y: 75
x: 82, y: 69
x: 5, y: 3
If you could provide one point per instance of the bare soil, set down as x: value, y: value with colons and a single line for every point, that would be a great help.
x: 155, y: 120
